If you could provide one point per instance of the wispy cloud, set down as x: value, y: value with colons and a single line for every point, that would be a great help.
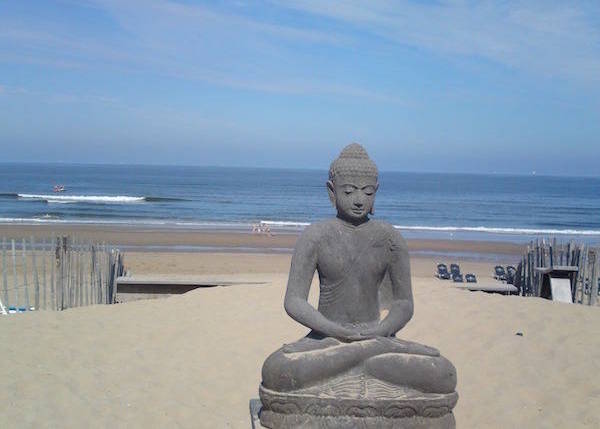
x: 236, y: 47
x: 229, y: 50
x: 192, y: 42
x: 57, y: 97
x: 549, y: 38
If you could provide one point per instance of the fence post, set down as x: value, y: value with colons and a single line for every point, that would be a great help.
x: 583, y: 272
x: 60, y: 290
x: 92, y: 274
x: 79, y: 277
x: 36, y: 281
x: 4, y: 276
x: 44, y: 301
x: 87, y: 289
x: 15, y: 280
x: 69, y: 254
x: 594, y: 281
x: 52, y: 269
x: 73, y: 273
x: 25, y: 285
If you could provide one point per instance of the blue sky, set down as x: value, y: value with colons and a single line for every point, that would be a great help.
x: 459, y: 86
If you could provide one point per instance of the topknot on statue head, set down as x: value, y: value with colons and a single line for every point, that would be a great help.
x: 353, y: 161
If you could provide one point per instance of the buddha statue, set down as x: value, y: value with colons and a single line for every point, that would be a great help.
x: 351, y: 370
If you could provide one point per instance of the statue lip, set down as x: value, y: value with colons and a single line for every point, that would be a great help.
x: 359, y: 213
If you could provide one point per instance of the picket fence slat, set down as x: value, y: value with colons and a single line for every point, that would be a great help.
x: 80, y: 273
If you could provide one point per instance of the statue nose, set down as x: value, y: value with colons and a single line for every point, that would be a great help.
x: 358, y: 203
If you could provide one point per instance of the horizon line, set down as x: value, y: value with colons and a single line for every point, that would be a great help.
x: 494, y: 173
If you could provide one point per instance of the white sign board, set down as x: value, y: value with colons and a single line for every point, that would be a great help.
x: 561, y: 290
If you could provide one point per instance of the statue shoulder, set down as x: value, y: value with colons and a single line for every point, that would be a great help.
x: 314, y: 232
x: 394, y: 236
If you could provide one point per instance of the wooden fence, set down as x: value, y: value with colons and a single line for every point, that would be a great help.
x: 56, y: 274
x: 549, y: 253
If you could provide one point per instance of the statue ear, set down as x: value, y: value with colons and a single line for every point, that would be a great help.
x: 331, y: 192
x: 372, y: 210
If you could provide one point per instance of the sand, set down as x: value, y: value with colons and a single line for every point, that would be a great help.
x: 180, y: 238
x: 194, y: 360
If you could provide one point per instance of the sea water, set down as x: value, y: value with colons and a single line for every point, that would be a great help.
x: 422, y: 205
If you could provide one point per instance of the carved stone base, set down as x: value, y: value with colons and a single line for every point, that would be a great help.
x: 301, y: 410
x: 274, y: 420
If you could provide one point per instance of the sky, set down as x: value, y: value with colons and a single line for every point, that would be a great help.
x: 444, y: 86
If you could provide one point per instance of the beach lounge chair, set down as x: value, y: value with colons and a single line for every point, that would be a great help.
x: 470, y: 278
x: 442, y: 272
x: 457, y: 278
x: 454, y: 269
x: 510, y: 274
x: 499, y: 273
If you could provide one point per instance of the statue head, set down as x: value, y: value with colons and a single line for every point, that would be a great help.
x: 352, y: 184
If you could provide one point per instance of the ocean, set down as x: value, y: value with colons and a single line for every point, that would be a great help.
x: 421, y: 205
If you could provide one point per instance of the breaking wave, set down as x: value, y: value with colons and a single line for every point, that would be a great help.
x: 498, y: 230
x: 292, y: 225
x: 482, y: 229
x: 285, y: 224
x: 98, y: 199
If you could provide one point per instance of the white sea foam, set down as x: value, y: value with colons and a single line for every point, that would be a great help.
x: 482, y: 229
x: 60, y: 201
x: 285, y: 223
x: 36, y: 220
x: 128, y: 222
x: 292, y: 225
x: 118, y: 199
x: 498, y: 230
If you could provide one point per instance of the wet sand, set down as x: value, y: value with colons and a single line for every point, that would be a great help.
x: 175, y: 239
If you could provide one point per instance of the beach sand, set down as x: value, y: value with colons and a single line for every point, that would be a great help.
x: 180, y: 239
x: 194, y: 360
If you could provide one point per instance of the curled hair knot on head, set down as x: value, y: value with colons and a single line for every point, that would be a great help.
x: 353, y: 161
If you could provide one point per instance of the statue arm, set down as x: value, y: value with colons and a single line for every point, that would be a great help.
x: 402, y: 307
x: 304, y: 264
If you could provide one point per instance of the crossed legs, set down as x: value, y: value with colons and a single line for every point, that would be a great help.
x: 403, y: 363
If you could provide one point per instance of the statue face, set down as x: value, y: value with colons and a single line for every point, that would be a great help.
x: 353, y: 196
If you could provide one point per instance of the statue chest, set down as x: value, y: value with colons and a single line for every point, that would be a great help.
x: 354, y: 255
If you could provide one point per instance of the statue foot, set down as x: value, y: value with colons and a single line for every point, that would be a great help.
x: 396, y: 345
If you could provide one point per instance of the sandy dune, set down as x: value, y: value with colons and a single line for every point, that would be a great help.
x: 194, y: 360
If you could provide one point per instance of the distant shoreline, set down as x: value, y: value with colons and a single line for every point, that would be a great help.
x: 157, y: 239
x: 520, y: 236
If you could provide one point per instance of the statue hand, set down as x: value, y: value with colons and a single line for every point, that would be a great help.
x: 359, y: 337
x: 349, y: 334
x: 376, y: 331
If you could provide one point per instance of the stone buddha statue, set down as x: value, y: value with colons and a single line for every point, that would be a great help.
x: 350, y: 370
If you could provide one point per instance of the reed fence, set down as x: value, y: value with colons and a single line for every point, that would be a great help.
x: 544, y: 253
x: 56, y: 274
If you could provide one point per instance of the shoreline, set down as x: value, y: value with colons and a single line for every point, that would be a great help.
x: 145, y: 239
x: 466, y: 233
